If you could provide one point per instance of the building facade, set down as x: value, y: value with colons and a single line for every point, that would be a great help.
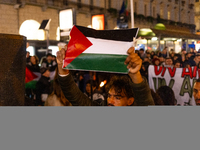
x: 25, y: 16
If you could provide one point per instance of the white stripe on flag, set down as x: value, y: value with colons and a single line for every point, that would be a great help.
x: 101, y: 46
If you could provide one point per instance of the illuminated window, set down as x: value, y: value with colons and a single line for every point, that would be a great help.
x: 169, y: 15
x: 98, y: 22
x: 58, y: 34
x: 66, y: 19
x: 31, y: 50
x: 30, y: 29
x: 54, y: 49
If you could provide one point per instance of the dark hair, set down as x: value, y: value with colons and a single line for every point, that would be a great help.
x: 198, y: 80
x: 49, y: 54
x: 94, y: 83
x: 157, y: 99
x: 141, y: 49
x: 36, y: 59
x: 177, y: 61
x: 154, y: 60
x: 168, y: 58
x: 121, y: 84
x: 167, y: 95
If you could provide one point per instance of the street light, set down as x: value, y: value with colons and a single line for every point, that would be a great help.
x: 45, y: 25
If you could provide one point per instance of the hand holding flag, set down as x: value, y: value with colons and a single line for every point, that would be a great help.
x: 134, y: 63
x: 60, y: 56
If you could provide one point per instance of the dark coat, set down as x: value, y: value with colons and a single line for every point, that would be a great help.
x: 43, y: 86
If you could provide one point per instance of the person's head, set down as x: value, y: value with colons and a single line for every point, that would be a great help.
x: 187, y: 65
x: 141, y: 51
x: 192, y: 50
x: 88, y: 86
x: 148, y: 55
x: 197, y: 59
x: 156, y: 61
x: 177, y: 64
x: 167, y: 95
x: 45, y: 72
x: 34, y: 60
x: 164, y: 50
x: 188, y: 55
x: 53, y: 57
x: 175, y: 57
x: 120, y: 91
x: 183, y: 51
x: 196, y: 92
x: 152, y: 53
x: 146, y: 59
x: 27, y: 54
x: 168, y: 61
x: 154, y: 56
x: 162, y: 59
x: 172, y: 55
x: 49, y: 57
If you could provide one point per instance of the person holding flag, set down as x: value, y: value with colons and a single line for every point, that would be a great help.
x: 123, y: 91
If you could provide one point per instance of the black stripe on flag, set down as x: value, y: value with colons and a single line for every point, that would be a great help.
x: 117, y: 35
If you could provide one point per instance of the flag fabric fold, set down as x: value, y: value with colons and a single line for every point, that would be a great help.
x: 98, y: 50
x: 29, y: 76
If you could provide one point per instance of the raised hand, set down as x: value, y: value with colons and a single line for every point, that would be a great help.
x: 134, y: 63
x: 60, y: 56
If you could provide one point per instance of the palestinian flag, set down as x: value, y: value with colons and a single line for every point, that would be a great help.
x: 29, y: 76
x: 98, y: 50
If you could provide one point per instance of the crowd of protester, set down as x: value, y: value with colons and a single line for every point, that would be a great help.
x: 93, y: 84
x: 168, y: 58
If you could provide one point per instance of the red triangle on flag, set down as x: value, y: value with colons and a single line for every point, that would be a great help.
x: 29, y: 75
x: 76, y: 46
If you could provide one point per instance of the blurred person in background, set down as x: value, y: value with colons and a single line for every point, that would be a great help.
x: 49, y: 62
x: 195, y: 61
x: 164, y: 52
x: 168, y: 62
x: 28, y: 56
x: 56, y: 98
x: 97, y: 95
x: 177, y: 64
x: 33, y: 65
x: 142, y: 53
x: 156, y: 62
x: 157, y: 99
x: 167, y: 95
x: 43, y: 87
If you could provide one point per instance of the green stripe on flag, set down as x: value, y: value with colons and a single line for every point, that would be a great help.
x: 99, y: 62
x: 31, y: 85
